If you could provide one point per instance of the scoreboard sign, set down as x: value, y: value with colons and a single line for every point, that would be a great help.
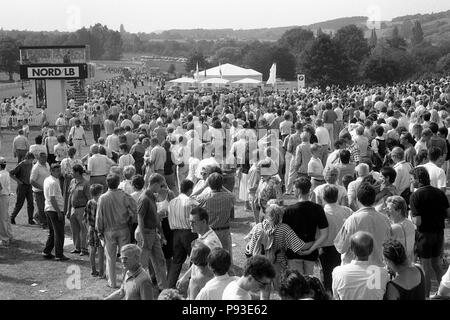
x: 48, y: 72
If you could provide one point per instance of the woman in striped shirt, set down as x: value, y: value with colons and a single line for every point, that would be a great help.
x: 284, y: 238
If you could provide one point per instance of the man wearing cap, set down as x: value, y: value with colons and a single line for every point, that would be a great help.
x: 5, y: 225
x: 20, y: 146
x: 76, y: 135
x: 39, y: 172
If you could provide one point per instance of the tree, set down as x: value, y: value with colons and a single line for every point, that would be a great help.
x: 396, y: 41
x: 417, y: 33
x: 171, y: 69
x: 113, y: 46
x: 325, y: 63
x: 259, y: 56
x: 228, y: 55
x: 296, y: 40
x: 388, y: 65
x: 373, y: 39
x: 285, y: 63
x: 443, y: 64
x: 9, y: 56
x: 194, y: 58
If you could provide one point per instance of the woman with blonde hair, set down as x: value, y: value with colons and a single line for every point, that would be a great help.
x: 273, y: 238
x: 403, y: 229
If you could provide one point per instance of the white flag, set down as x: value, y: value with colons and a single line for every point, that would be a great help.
x: 196, y: 73
x: 273, y: 75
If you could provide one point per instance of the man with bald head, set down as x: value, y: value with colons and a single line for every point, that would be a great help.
x: 360, y: 279
x: 365, y: 219
x: 362, y: 171
x: 98, y: 167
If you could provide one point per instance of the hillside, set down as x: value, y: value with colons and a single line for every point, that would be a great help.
x: 436, y: 27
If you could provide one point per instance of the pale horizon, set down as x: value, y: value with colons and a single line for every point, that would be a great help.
x: 153, y: 16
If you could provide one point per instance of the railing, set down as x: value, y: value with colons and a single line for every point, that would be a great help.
x: 14, y: 121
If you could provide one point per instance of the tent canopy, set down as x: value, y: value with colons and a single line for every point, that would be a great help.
x: 183, y: 80
x: 247, y: 81
x: 230, y: 72
x: 216, y: 81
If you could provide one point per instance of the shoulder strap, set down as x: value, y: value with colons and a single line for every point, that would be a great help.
x: 404, y: 234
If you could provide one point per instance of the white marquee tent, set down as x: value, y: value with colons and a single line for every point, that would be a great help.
x: 229, y: 72
x: 183, y: 80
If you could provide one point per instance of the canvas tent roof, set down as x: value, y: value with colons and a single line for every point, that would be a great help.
x: 230, y: 70
x: 247, y: 81
x: 216, y: 80
x: 183, y: 80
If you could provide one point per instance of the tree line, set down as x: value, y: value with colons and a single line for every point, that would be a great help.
x: 343, y: 58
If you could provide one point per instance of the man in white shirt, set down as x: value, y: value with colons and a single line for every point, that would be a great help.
x: 402, y: 168
x: 98, y: 167
x: 179, y: 211
x: 366, y: 219
x: 77, y: 136
x: 360, y: 279
x: 54, y: 209
x: 362, y: 171
x: 258, y: 276
x: 5, y: 224
x: 324, y: 140
x: 437, y: 174
x: 219, y: 261
x: 39, y: 172
x: 112, y: 141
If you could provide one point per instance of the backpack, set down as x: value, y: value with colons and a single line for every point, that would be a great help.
x: 381, y: 147
x: 264, y: 242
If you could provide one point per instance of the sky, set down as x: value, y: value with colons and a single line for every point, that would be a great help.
x: 158, y: 15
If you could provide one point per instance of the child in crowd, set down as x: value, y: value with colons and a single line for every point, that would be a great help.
x: 94, y: 241
x: 126, y: 159
x: 127, y: 184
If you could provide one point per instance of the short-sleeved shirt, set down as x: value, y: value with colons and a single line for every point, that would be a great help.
x: 52, y: 189
x: 431, y: 205
x: 39, y: 173
x: 234, y: 292
x: 137, y: 286
x: 148, y: 210
x: 305, y: 218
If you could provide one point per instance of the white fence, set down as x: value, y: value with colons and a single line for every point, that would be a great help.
x: 14, y: 121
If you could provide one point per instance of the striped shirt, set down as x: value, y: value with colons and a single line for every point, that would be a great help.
x: 179, y: 210
x: 114, y: 211
x: 283, y: 238
x: 218, y: 204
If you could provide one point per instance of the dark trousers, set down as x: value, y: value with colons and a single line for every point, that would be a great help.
x: 330, y: 258
x: 96, y: 131
x: 24, y: 191
x: 21, y: 155
x: 55, y: 234
x: 40, y: 203
x: 182, y: 240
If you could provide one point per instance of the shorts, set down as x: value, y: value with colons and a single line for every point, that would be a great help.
x: 93, y: 239
x: 429, y: 244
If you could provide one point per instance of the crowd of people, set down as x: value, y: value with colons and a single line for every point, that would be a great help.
x: 351, y: 182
